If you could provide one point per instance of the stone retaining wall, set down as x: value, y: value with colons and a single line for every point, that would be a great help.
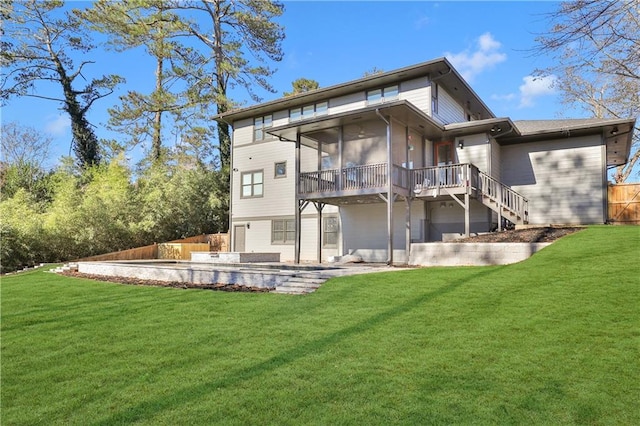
x: 187, y: 273
x: 471, y: 254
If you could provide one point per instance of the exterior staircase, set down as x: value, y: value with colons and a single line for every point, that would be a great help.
x: 71, y: 266
x: 301, y: 283
x: 502, y: 199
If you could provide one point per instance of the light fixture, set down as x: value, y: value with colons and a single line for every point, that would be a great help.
x: 614, y: 131
x: 496, y: 129
x: 443, y: 205
x: 461, y: 144
x: 248, y: 225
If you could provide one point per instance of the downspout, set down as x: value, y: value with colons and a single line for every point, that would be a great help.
x: 390, y: 198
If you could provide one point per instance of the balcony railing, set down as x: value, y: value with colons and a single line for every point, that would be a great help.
x: 448, y: 176
x: 355, y: 178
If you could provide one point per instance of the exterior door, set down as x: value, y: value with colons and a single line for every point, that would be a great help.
x: 443, y: 156
x: 239, y: 238
x: 444, y: 153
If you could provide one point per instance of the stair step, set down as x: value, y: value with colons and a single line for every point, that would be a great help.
x: 283, y: 289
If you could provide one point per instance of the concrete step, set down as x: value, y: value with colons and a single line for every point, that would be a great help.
x: 300, y: 284
x: 283, y: 289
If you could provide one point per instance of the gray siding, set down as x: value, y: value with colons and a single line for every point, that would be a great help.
x: 347, y: 103
x: 475, y: 151
x: 449, y: 111
x: 563, y: 179
x: 258, y: 238
x: 364, y: 230
x: 416, y: 91
x: 448, y: 217
x: 494, y: 169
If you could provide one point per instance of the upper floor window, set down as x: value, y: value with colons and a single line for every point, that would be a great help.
x: 434, y: 98
x: 280, y: 169
x: 381, y: 95
x: 260, y: 125
x: 252, y: 184
x: 308, y: 111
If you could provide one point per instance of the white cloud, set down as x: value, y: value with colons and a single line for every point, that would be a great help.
x: 534, y: 87
x: 485, y: 56
x: 57, y: 125
x: 508, y: 97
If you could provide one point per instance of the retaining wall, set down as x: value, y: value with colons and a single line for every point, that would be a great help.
x: 471, y: 254
x: 179, y: 272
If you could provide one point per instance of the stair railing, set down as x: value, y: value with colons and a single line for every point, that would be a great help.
x: 504, y: 196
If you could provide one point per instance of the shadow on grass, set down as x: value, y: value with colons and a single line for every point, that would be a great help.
x: 152, y: 407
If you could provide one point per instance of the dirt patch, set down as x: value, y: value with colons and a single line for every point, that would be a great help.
x: 545, y: 234
x: 173, y: 284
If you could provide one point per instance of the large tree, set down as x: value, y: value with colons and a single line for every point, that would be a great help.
x: 153, y: 25
x: 238, y: 41
x: 302, y: 85
x: 24, y: 152
x: 38, y: 43
x: 595, y: 45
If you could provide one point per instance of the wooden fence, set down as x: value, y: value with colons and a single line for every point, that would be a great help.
x: 138, y: 253
x: 180, y: 251
x: 176, y: 249
x: 624, y: 204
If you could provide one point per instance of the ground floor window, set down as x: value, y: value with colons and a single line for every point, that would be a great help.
x: 283, y: 231
x: 330, y: 231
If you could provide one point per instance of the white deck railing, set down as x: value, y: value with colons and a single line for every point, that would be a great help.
x: 504, y: 196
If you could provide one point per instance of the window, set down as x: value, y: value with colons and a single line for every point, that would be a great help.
x: 381, y: 95
x: 260, y: 124
x: 330, y: 231
x: 280, y: 169
x: 252, y: 184
x: 308, y: 111
x: 434, y: 98
x: 283, y: 231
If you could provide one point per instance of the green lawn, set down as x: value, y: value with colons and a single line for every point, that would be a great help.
x: 553, y: 340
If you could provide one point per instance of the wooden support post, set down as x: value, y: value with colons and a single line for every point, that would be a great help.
x: 319, y: 207
x: 408, y: 229
x: 467, y: 215
x: 499, y: 201
x: 298, y: 211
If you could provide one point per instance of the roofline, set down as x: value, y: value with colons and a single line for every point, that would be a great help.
x: 349, y: 86
x: 595, y: 125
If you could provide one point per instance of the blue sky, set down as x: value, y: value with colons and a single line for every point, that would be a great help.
x: 334, y: 42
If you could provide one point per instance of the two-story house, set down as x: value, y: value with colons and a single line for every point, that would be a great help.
x: 371, y: 166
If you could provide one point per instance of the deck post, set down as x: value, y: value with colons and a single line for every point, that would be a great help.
x: 408, y: 229
x: 319, y: 207
x: 340, y: 166
x: 467, y: 215
x: 390, y: 197
x: 298, y: 211
x: 499, y: 191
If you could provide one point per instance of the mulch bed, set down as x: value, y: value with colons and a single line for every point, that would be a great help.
x: 545, y: 234
x: 173, y: 284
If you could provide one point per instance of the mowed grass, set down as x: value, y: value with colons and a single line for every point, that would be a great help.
x: 552, y: 340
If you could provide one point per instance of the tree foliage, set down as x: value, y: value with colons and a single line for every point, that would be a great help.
x: 24, y: 152
x: 37, y: 46
x: 153, y: 25
x: 302, y: 85
x: 596, y: 48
